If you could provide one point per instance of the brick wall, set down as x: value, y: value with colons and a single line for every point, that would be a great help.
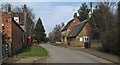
x: 73, y: 23
x: 6, y: 20
x: 6, y: 30
x: 14, y: 33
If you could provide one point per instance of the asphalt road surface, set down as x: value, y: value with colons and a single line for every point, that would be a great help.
x: 58, y: 54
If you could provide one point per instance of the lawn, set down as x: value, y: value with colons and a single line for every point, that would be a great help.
x: 33, y: 50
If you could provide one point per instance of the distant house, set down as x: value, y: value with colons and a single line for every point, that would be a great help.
x: 14, y: 34
x: 68, y: 27
x: 80, y: 34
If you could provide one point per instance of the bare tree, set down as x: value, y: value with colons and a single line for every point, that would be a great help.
x: 106, y: 23
x: 55, y: 35
x: 29, y: 11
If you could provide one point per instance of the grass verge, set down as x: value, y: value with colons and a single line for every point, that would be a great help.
x: 33, y: 50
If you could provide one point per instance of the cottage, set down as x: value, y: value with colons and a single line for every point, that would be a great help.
x: 68, y: 27
x: 14, y: 34
x: 80, y: 34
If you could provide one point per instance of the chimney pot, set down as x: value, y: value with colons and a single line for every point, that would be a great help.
x: 75, y: 15
x: 9, y: 8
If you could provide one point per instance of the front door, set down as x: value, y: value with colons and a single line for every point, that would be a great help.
x: 86, y: 44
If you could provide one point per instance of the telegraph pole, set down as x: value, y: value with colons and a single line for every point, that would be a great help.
x: 91, y: 10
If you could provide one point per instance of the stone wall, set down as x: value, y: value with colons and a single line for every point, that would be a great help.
x: 95, y: 44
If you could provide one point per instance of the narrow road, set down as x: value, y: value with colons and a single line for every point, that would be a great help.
x: 58, y: 54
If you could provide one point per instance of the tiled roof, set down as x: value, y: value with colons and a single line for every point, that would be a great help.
x: 77, y: 29
x: 68, y: 24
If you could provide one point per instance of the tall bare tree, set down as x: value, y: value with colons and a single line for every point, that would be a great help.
x: 55, y: 35
x: 106, y: 23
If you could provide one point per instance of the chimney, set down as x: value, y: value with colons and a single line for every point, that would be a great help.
x: 9, y: 8
x: 25, y: 8
x: 75, y: 15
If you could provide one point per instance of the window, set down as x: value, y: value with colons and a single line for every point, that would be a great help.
x: 6, y: 20
x: 81, y: 39
x: 86, y: 38
x: 2, y: 24
x: 16, y: 19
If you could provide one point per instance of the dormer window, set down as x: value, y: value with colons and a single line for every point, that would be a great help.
x: 16, y: 19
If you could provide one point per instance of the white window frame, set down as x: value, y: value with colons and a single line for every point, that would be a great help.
x: 81, y: 39
x: 86, y: 38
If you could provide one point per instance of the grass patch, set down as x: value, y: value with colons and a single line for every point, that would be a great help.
x: 33, y: 50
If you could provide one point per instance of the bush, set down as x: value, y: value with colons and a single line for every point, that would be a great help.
x: 109, y: 40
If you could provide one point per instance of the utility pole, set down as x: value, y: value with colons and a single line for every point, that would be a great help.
x: 91, y: 10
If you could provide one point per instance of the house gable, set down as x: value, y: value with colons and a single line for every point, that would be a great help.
x: 71, y: 23
x: 18, y: 15
x: 78, y: 28
x: 67, y: 25
x: 86, y: 30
